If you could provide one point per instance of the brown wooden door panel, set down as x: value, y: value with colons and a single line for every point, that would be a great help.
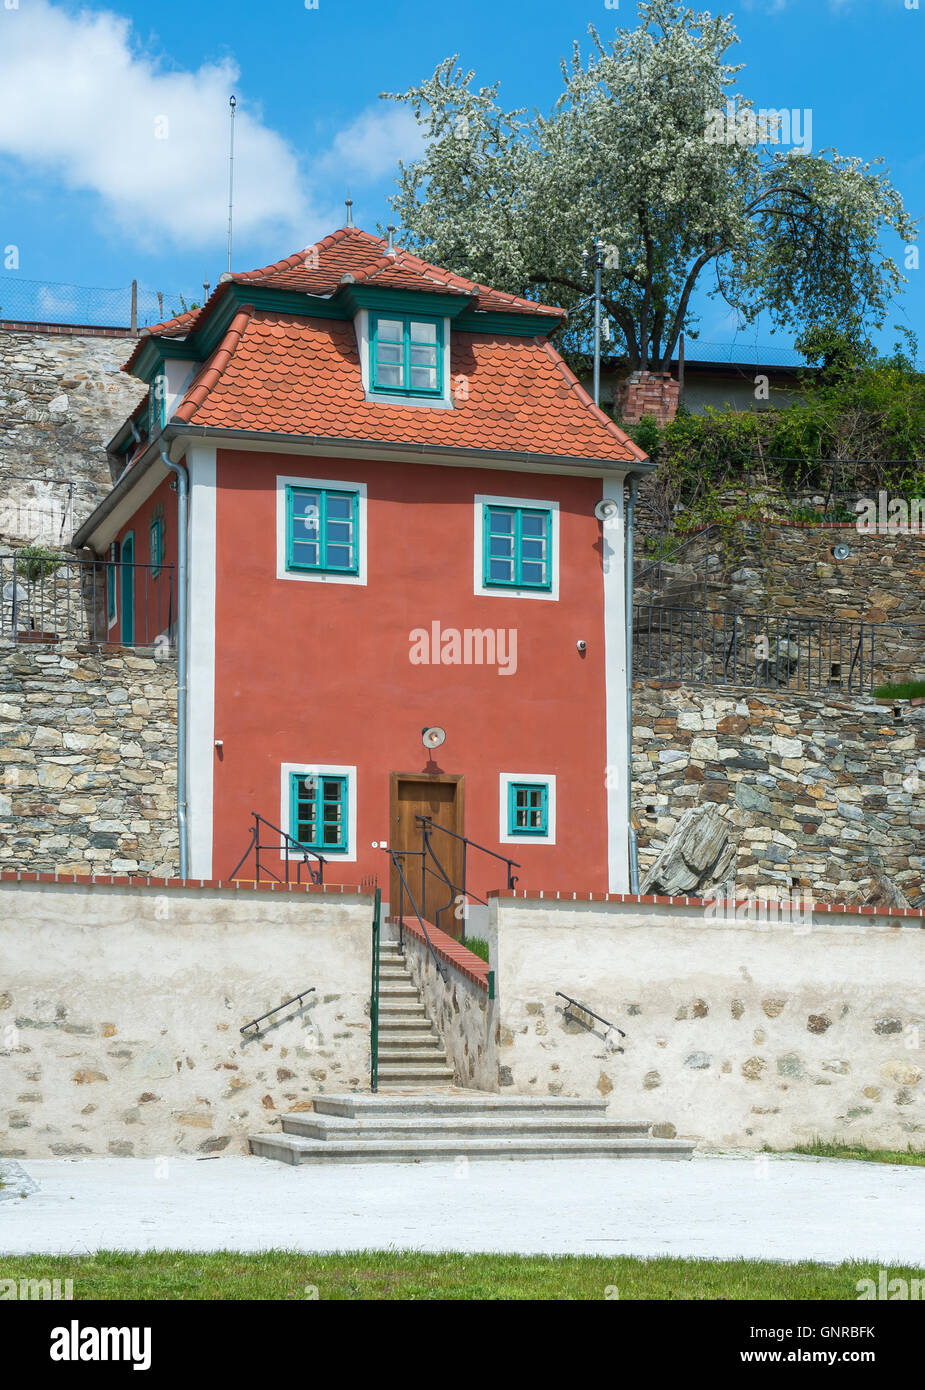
x: 441, y: 799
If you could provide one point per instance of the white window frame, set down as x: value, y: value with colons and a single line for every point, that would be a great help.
x: 548, y: 778
x: 282, y: 482
x: 442, y: 402
x: 348, y: 855
x: 483, y: 500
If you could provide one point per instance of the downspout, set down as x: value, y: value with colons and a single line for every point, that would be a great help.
x: 182, y: 486
x: 632, y: 489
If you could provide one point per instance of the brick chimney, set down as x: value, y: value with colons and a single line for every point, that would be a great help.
x: 648, y: 393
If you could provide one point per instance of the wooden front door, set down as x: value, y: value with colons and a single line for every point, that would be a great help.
x: 441, y: 798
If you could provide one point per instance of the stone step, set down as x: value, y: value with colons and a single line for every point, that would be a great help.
x: 397, y: 1023
x: 456, y: 1101
x: 565, y: 1127
x: 414, y: 1057
x: 401, y: 1009
x: 413, y: 1073
x: 399, y: 990
x: 293, y: 1148
x: 389, y: 1041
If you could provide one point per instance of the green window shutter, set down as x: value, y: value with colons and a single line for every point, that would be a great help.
x: 406, y: 355
x: 156, y: 542
x: 322, y: 530
x: 516, y: 547
x: 528, y: 808
x: 318, y: 809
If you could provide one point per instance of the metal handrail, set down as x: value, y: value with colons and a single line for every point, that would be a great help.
x: 402, y: 889
x: 316, y: 875
x: 374, y: 998
x: 427, y: 825
x: 254, y: 1021
x: 585, y: 1010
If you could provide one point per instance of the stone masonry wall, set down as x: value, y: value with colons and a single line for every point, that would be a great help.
x: 791, y: 571
x: 738, y: 1033
x: 121, y: 1010
x: 62, y: 397
x: 87, y: 760
x: 821, y: 792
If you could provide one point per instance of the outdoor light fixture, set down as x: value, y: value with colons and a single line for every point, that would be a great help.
x: 841, y: 552
x: 582, y: 645
x: 433, y: 737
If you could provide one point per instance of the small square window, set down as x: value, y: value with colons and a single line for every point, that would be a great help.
x: 528, y: 808
x: 321, y: 530
x: 517, y: 547
x: 318, y: 811
x: 406, y: 355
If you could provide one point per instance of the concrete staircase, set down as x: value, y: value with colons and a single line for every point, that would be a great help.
x: 418, y: 1114
x: 411, y: 1053
x: 455, y: 1123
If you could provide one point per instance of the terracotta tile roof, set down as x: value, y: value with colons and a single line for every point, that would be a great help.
x: 177, y: 327
x: 285, y: 373
x: 350, y: 251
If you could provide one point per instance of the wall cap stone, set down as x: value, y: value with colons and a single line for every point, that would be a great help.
x: 147, y: 881
x: 535, y: 895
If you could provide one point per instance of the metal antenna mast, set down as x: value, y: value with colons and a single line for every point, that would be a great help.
x: 598, y: 266
x: 232, y: 104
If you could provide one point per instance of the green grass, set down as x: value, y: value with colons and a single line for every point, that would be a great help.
x: 393, y: 1275
x: 905, y: 690
x: 477, y: 946
x: 821, y: 1148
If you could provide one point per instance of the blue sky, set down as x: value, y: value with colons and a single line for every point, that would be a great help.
x: 113, y: 127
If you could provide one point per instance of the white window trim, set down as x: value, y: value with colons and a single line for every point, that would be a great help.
x: 327, y: 578
x: 347, y: 855
x: 441, y: 402
x: 506, y: 591
x: 506, y: 778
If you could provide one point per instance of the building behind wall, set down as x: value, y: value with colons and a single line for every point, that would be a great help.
x: 395, y: 524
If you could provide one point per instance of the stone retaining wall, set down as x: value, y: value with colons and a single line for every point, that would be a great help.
x: 744, y: 1033
x: 87, y: 760
x: 820, y: 793
x: 121, y: 1010
x: 62, y: 397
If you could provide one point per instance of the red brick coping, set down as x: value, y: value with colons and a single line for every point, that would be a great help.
x: 80, y: 330
x: 534, y: 894
x: 146, y: 881
x: 450, y: 950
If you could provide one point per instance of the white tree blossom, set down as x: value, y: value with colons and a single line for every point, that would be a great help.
x: 640, y: 149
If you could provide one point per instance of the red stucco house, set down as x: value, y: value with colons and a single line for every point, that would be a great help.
x: 394, y: 525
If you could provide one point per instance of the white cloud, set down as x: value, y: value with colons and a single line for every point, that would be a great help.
x: 83, y: 105
x: 372, y: 144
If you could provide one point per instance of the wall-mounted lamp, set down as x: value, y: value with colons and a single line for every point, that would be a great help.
x: 433, y: 736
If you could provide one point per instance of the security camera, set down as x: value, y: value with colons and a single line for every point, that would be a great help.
x: 582, y: 646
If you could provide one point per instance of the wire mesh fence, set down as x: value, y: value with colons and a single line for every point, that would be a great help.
x: 48, y: 599
x: 713, y: 647
x: 128, y: 306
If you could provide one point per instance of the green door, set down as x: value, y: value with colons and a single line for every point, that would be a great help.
x: 127, y: 589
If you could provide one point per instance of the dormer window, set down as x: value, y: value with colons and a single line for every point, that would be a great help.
x: 406, y: 355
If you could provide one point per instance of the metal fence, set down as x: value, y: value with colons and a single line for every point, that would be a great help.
x: 127, y: 306
x: 53, y: 599
x: 713, y: 647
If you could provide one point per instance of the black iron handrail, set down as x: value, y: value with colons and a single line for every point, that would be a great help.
x: 427, y: 826
x: 403, y: 888
x: 585, y: 1010
x: 300, y: 850
x: 254, y: 1021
